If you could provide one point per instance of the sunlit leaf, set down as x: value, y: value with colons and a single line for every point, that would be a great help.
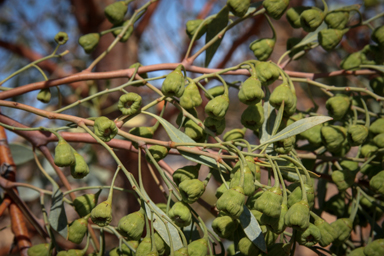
x: 252, y: 229
x: 57, y: 217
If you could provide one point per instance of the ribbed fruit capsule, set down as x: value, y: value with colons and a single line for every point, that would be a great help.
x: 191, y: 190
x: 275, y: 8
x: 232, y: 201
x: 77, y: 230
x: 63, y: 154
x: 269, y: 203
x: 101, y: 215
x: 132, y: 225
x: 297, y: 216
x: 130, y: 103
x: 238, y: 7
x: 180, y: 214
x: 89, y: 42
x: 174, y: 83
x: 105, y: 128
x: 115, y: 12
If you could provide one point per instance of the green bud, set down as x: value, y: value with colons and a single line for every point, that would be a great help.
x: 101, y: 215
x: 191, y: 97
x: 220, y: 190
x: 338, y: 106
x: 282, y: 93
x: 277, y: 225
x: 132, y: 225
x: 158, y: 152
x: 182, y: 252
x: 198, y: 247
x: 377, y: 126
x: 247, y: 248
x: 234, y: 134
x: 192, y: 26
x: 343, y: 179
x: 232, y: 202
x: 253, y: 117
x: 337, y: 19
x: 357, y: 134
x: 161, y: 246
x: 296, y: 194
x: 293, y: 15
x: 238, y: 7
x: 249, y: 181
x: 310, y: 236
x: 262, y: 48
x: 216, y: 91
x: 85, y: 203
x: 374, y: 248
x: 330, y: 38
x: 311, y: 19
x: 368, y: 149
x: 80, y: 169
x: 267, y: 72
x: 357, y: 252
x: 188, y: 172
x: 191, y: 190
x: 127, y: 33
x: 377, y: 85
x: 115, y: 12
x: 336, y: 205
x: 61, y: 38
x: 194, y: 131
x: 313, y: 135
x: 63, y: 154
x: 173, y: 84
x: 125, y: 251
x: 44, y: 95
x: 231, y: 250
x: 143, y: 75
x: 269, y: 203
x: 77, y: 230
x: 333, y: 137
x: 327, y: 232
x: 353, y: 61
x: 379, y: 140
x: 129, y: 104
x: 250, y: 92
x: 224, y: 226
x: 105, y: 128
x: 378, y: 36
x: 89, y: 42
x: 144, y: 247
x: 39, y: 249
x: 217, y: 107
x: 297, y: 216
x: 285, y: 146
x: 343, y: 228
x: 180, y: 214
x: 217, y: 126
x: 377, y: 183
x: 275, y: 8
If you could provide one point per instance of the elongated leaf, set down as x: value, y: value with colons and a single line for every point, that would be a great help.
x: 57, y: 217
x: 376, y: 67
x: 311, y: 37
x: 252, y: 229
x: 20, y: 153
x: 279, y: 117
x: 178, y: 136
x: 214, y: 27
x: 298, y: 127
x: 270, y: 117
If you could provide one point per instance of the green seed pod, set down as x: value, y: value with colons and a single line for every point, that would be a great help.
x: 285, y: 146
x: 330, y: 38
x: 144, y: 247
x: 377, y: 183
x: 198, y: 247
x: 336, y: 205
x: 293, y: 15
x: 313, y: 135
x: 130, y: 103
x: 44, y: 95
x: 238, y: 7
x: 71, y: 252
x: 267, y: 72
x: 158, y: 152
x: 231, y: 251
x: 224, y: 226
x: 377, y: 85
x: 63, y: 154
x: 80, y: 169
x: 89, y: 42
x: 251, y: 201
x: 378, y: 36
x: 258, y: 215
x: 161, y: 246
x: 357, y: 134
x: 180, y: 214
x: 191, y: 190
x: 379, y: 140
x: 247, y: 248
x: 61, y: 38
x: 101, y: 215
x: 125, y: 251
x: 191, y: 97
x: 343, y: 228
x: 368, y: 149
x: 337, y: 19
x: 188, y: 172
x: 173, y: 84
x: 280, y: 249
x: 343, y: 179
x: 269, y: 203
x: 297, y: 216
x: 232, y: 202
x: 357, y: 252
x: 249, y: 181
x: 144, y: 132
x: 275, y: 8
x: 38, y: 250
x: 115, y: 12
x: 353, y: 61
x: 182, y: 252
x: 333, y: 137
x: 311, y: 19
x: 282, y: 93
x: 191, y: 28
x: 310, y: 236
x: 216, y: 91
x: 234, y: 134
x: 194, y: 131
x: 277, y: 225
x: 132, y: 225
x: 217, y: 107
x: 327, y: 232
x: 217, y: 126
x: 374, y: 248
x: 220, y: 190
x: 105, y: 129
x: 262, y: 48
x: 296, y: 194
x: 338, y: 106
x: 85, y: 203
x: 127, y: 33
x: 143, y: 75
x: 77, y: 230
x: 253, y: 117
x: 250, y: 92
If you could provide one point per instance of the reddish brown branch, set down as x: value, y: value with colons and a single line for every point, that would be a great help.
x: 4, y: 205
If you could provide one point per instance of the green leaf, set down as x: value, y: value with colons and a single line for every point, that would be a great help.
x: 57, y: 217
x: 267, y: 127
x: 214, y: 27
x: 179, y: 137
x: 298, y: 127
x: 278, y: 119
x: 311, y: 37
x: 376, y: 67
x: 252, y: 229
x: 21, y: 153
